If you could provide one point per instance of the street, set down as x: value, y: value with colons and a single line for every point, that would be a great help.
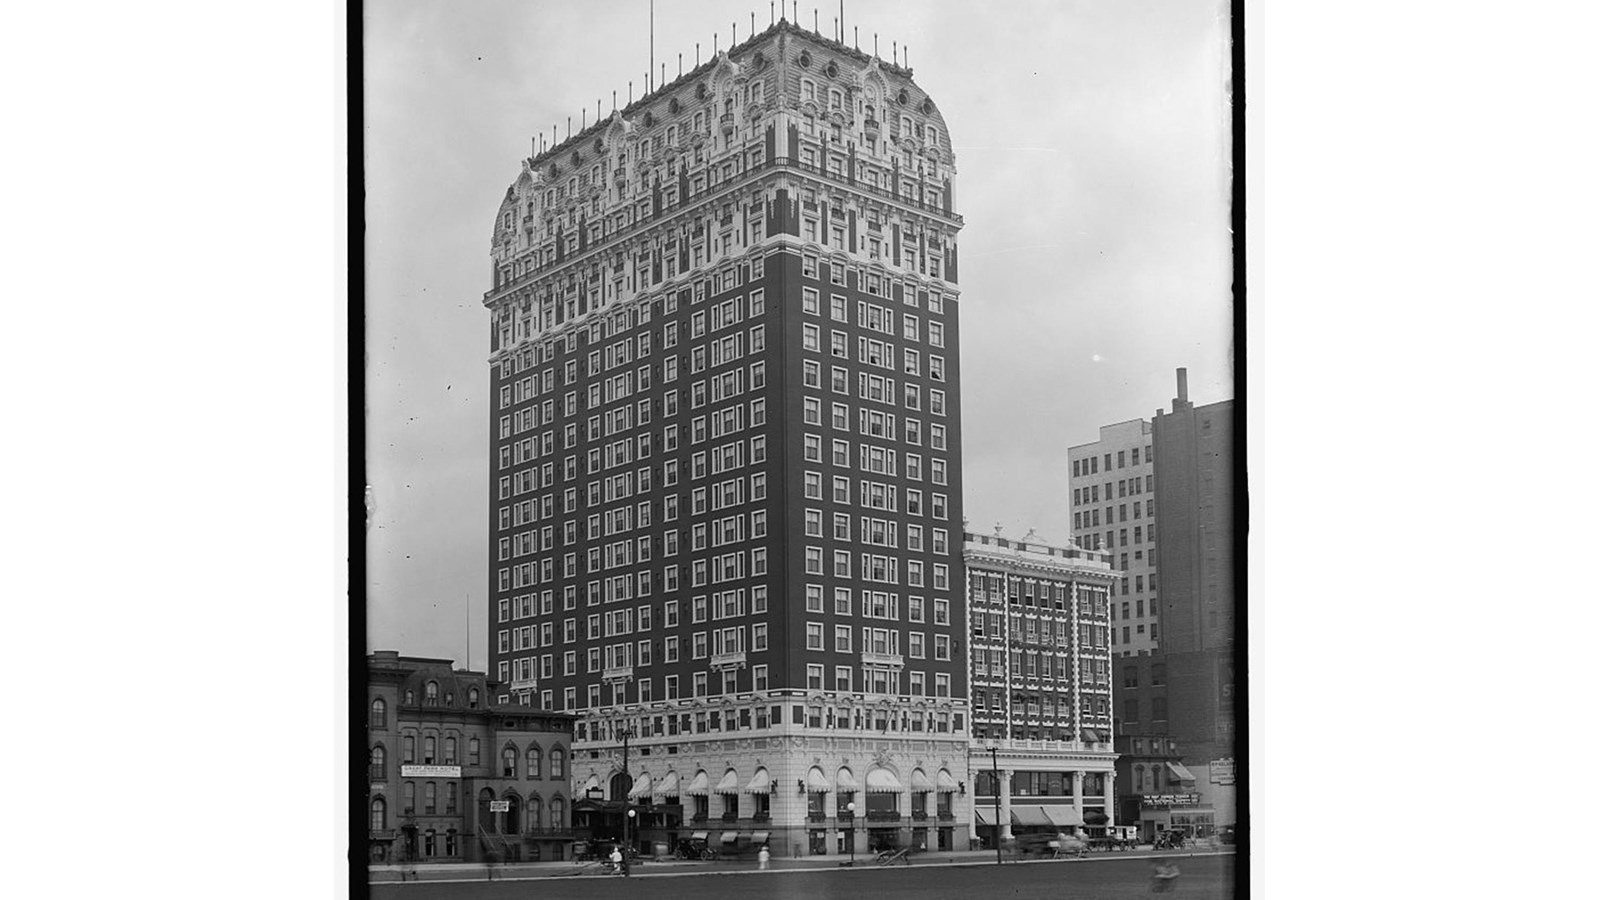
x: 1106, y: 878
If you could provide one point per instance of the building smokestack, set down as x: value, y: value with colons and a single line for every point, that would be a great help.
x: 1183, y: 386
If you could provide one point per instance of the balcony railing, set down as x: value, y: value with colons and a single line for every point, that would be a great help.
x: 883, y: 815
x: 734, y: 660
x: 894, y: 660
x: 613, y: 674
x: 730, y: 816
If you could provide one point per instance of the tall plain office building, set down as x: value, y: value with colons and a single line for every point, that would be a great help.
x: 1114, y: 511
x: 726, y: 475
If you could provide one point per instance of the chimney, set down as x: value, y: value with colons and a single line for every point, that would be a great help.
x: 1183, y: 389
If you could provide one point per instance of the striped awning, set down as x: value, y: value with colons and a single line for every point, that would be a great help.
x: 1029, y: 815
x: 1177, y: 771
x: 920, y: 782
x: 641, y: 787
x: 760, y: 784
x: 816, y: 782
x: 946, y: 783
x: 1063, y: 816
x: 729, y: 783
x: 883, y: 781
x: 847, y: 781
x: 700, y: 786
x: 667, y: 787
x: 760, y: 837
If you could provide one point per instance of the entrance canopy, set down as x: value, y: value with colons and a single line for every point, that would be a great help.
x: 759, y: 837
x: 729, y: 837
x: 699, y: 835
x: 883, y: 781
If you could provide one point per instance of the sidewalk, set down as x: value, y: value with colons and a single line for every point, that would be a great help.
x: 522, y: 871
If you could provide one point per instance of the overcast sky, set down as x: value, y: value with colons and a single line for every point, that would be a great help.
x: 1092, y: 154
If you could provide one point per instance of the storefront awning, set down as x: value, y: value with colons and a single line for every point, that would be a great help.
x: 699, y: 835
x: 847, y: 781
x: 1092, y: 736
x: 920, y: 782
x: 641, y: 787
x: 760, y: 784
x: 1179, y: 772
x: 668, y: 786
x: 883, y: 781
x: 1063, y: 816
x: 946, y: 783
x: 1029, y: 815
x: 759, y: 838
x: 816, y: 782
x: 700, y: 786
x: 729, y: 783
x: 729, y: 837
x: 983, y: 816
x: 1095, y: 817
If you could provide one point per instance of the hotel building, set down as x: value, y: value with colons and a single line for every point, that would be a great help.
x: 726, y: 470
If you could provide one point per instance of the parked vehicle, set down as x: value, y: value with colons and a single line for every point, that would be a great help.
x: 1116, y: 837
x: 691, y: 848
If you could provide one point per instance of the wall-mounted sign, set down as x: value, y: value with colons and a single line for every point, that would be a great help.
x: 1163, y: 800
x: 1222, y: 771
x: 430, y: 771
x: 499, y: 806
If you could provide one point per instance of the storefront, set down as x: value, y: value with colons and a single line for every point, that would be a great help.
x: 1185, y: 813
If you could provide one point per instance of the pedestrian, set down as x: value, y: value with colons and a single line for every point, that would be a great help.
x: 616, y: 858
x: 763, y: 858
x: 1165, y: 877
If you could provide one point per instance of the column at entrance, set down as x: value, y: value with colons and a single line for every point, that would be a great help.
x: 1077, y: 792
x: 1004, y: 787
x: 1110, y: 781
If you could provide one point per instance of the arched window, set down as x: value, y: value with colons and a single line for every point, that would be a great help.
x: 508, y: 762
x: 535, y: 812
x: 1138, y: 778
x: 380, y: 718
x: 485, y: 818
x: 408, y: 749
x: 472, y: 752
x: 558, y: 813
x: 408, y: 798
x: 512, y: 821
x: 411, y: 698
x: 430, y: 798
x: 378, y: 770
x: 449, y: 751
x: 429, y: 745
x: 449, y: 796
x: 380, y: 814
x: 558, y: 763
x: 430, y: 693
x: 472, y: 698
x: 535, y: 757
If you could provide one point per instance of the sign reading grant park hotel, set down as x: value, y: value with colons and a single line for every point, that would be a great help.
x: 430, y: 771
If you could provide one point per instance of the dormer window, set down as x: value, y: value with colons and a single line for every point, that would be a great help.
x: 430, y: 693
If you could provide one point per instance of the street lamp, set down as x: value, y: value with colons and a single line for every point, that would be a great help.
x: 994, y: 761
x: 851, y: 809
x: 627, y: 802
